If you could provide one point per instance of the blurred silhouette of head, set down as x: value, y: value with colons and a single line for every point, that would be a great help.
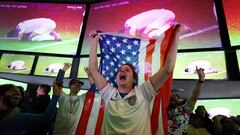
x: 201, y: 111
x: 10, y: 95
x: 13, y: 33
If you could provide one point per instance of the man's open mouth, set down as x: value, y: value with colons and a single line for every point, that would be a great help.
x: 122, y: 77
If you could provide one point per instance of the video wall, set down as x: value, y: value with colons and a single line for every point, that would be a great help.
x: 17, y: 83
x: 130, y: 16
x: 238, y: 58
x: 213, y: 63
x: 232, y: 15
x: 49, y: 66
x: 58, y: 28
x: 16, y: 63
x: 227, y: 107
x: 41, y: 27
x: 83, y: 64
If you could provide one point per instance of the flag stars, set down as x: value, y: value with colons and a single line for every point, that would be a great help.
x: 103, y: 72
x: 107, y: 56
x: 108, y: 42
x: 128, y: 58
x: 112, y: 63
x: 129, y: 47
x: 114, y: 38
x: 124, y: 40
x: 118, y: 45
x: 123, y: 52
x: 112, y: 50
x: 111, y: 74
x: 134, y: 53
x: 135, y: 42
x: 134, y: 63
x: 118, y: 57
x: 117, y: 51
x: 123, y: 62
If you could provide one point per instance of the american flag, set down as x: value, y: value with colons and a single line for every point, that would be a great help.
x: 115, y: 51
x: 147, y: 56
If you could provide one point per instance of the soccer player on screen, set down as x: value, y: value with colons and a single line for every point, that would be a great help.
x: 37, y: 29
x: 151, y: 23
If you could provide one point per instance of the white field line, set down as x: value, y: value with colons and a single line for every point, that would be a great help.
x: 19, y: 71
x: 199, y: 31
x: 49, y: 45
x: 208, y: 74
x: 215, y: 74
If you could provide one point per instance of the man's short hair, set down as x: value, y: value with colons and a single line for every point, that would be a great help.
x: 46, y: 88
x: 71, y: 82
x: 12, y: 33
x: 5, y: 87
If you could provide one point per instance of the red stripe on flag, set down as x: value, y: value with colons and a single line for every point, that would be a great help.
x: 87, y: 108
x: 155, y: 114
x: 100, y: 118
x: 164, y: 94
x: 148, y: 59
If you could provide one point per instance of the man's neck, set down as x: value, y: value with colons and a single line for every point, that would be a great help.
x: 42, y: 94
x: 73, y: 94
x: 124, y: 89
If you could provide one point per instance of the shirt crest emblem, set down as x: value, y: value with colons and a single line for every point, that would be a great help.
x: 132, y: 100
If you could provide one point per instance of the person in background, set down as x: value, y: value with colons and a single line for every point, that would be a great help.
x: 200, y: 122
x: 178, y: 116
x: 127, y: 106
x: 39, y: 105
x: 224, y: 125
x: 12, y: 122
x: 21, y: 90
x: 70, y: 108
x: 36, y: 29
x: 21, y: 104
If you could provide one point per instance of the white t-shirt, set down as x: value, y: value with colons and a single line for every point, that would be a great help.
x: 39, y: 25
x: 68, y: 114
x: 129, y: 115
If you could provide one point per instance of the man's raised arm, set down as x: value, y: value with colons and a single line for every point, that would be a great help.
x: 98, y: 79
x: 160, y: 77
